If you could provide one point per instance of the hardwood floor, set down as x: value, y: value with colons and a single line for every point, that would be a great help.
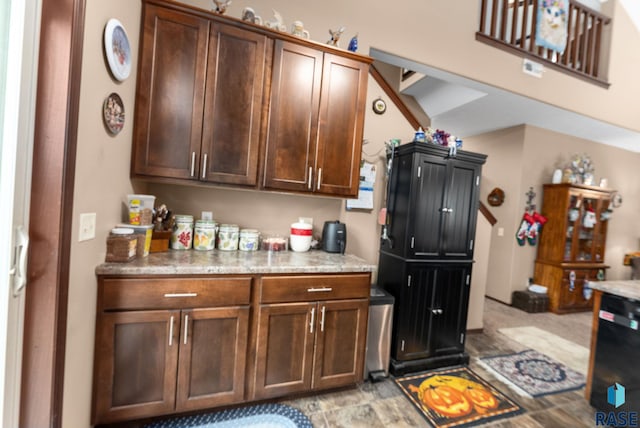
x: 382, y: 404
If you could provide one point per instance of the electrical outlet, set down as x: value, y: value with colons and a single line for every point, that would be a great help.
x: 87, y: 227
x: 532, y: 68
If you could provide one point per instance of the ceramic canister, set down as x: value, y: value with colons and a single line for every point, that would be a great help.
x: 204, y: 235
x: 228, y: 235
x: 249, y: 240
x: 182, y: 235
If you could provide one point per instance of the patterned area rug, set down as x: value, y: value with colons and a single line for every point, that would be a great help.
x: 259, y: 416
x: 456, y: 397
x: 533, y: 374
x: 569, y: 353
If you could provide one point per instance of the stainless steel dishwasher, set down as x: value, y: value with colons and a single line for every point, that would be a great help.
x: 379, y: 334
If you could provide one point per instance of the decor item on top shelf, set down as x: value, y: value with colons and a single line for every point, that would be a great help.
x: 582, y: 169
x: 419, y: 136
x: 297, y: 29
x: 277, y: 23
x: 335, y: 36
x: 551, y: 25
x: 221, y: 6
x: 117, y: 49
x: 249, y: 15
x: 353, y: 43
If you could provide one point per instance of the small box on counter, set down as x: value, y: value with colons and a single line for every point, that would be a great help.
x: 160, y: 241
x: 121, y: 245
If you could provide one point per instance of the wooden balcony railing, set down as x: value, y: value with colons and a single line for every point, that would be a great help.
x: 511, y: 25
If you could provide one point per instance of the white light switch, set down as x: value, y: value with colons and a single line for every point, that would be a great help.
x: 501, y: 231
x: 87, y: 227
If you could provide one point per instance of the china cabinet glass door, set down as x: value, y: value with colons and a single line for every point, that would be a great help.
x: 586, y: 229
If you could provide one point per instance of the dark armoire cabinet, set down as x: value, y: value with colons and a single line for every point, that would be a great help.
x: 427, y: 254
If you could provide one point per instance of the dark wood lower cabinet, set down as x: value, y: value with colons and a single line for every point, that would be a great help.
x: 311, y: 345
x: 136, y: 374
x: 167, y: 345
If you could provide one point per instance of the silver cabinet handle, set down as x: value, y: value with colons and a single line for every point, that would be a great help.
x: 310, y: 177
x: 319, y: 177
x: 171, y: 331
x: 181, y: 295
x: 436, y: 311
x: 204, y: 166
x: 322, y: 320
x: 193, y: 164
x: 313, y: 315
x: 186, y: 328
x: 319, y: 290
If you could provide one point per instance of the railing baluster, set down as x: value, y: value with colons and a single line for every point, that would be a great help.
x: 567, y: 49
x: 585, y: 42
x: 514, y: 22
x: 494, y: 10
x: 534, y: 20
x: 525, y: 26
x: 596, y: 62
x: 483, y: 17
x: 592, y: 44
x: 503, y: 21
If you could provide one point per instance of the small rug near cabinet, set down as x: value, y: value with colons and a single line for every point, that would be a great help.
x: 456, y: 397
x: 258, y: 416
x: 556, y: 347
x: 533, y: 374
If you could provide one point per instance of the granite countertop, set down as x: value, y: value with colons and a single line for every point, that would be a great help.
x: 191, y: 262
x: 629, y: 289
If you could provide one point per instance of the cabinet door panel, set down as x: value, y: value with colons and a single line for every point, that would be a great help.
x: 170, y: 93
x: 462, y: 211
x: 213, y: 346
x: 428, y: 200
x: 233, y: 106
x: 340, y: 343
x: 415, y: 313
x: 293, y: 117
x: 344, y: 87
x: 136, y: 367
x: 285, y: 349
x: 450, y: 301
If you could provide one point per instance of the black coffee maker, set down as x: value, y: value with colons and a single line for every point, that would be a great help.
x: 334, y: 237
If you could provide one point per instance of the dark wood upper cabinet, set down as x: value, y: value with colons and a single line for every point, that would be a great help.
x: 223, y: 101
x: 316, y: 120
x: 170, y: 93
x: 233, y: 105
x: 293, y: 122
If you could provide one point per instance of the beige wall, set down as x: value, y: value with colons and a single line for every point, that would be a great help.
x: 477, y: 291
x: 405, y: 29
x: 526, y: 156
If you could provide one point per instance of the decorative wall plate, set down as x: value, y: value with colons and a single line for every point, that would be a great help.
x: 496, y: 197
x: 379, y: 106
x: 616, y: 200
x: 117, y: 49
x: 113, y: 113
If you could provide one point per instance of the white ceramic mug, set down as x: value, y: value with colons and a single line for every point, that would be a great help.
x: 297, y: 29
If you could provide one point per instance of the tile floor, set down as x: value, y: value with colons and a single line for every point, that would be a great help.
x: 382, y: 404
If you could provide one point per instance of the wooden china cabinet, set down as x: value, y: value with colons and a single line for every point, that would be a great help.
x: 571, y: 252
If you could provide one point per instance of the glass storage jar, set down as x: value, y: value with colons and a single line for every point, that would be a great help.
x: 228, y: 235
x: 182, y: 235
x: 204, y: 235
x: 249, y: 240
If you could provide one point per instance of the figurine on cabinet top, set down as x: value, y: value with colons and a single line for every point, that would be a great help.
x: 353, y: 43
x: 277, y: 23
x: 221, y: 5
x: 249, y: 15
x: 297, y: 29
x: 335, y: 36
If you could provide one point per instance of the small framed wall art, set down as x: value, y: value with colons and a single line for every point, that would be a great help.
x: 117, y: 49
x: 379, y: 106
x: 113, y: 113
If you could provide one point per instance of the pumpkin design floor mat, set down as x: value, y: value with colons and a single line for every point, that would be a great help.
x: 456, y: 397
